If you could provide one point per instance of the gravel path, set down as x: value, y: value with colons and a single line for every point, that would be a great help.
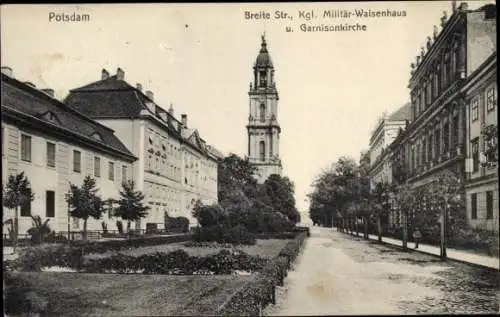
x: 338, y: 274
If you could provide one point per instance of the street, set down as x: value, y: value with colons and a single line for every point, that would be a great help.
x: 341, y: 274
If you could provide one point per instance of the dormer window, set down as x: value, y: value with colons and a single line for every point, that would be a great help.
x: 96, y: 136
x: 50, y: 116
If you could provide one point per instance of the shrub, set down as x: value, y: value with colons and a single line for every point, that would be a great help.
x: 119, y: 226
x: 234, y: 235
x: 177, y: 224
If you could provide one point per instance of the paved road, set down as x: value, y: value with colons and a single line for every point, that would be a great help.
x: 340, y: 274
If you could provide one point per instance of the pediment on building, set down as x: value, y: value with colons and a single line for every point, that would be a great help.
x: 50, y: 117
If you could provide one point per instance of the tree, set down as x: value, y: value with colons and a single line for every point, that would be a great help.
x: 364, y: 190
x: 17, y: 193
x: 334, y: 190
x: 381, y: 204
x: 85, y: 202
x: 234, y: 174
x: 280, y: 191
x: 130, y: 205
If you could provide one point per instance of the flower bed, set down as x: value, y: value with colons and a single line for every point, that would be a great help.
x: 173, y: 263
x: 258, y: 293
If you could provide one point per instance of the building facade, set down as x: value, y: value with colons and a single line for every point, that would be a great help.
x: 263, y: 128
x: 175, y: 166
x: 482, y: 146
x: 435, y: 140
x: 385, y: 132
x: 54, y: 145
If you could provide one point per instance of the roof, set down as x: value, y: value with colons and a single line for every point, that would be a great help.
x: 30, y: 102
x: 402, y: 114
x: 263, y: 59
x: 115, y: 98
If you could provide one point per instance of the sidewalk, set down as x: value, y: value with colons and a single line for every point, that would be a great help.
x: 451, y: 253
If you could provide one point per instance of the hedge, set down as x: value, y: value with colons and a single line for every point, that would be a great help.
x: 258, y: 293
x: 175, y: 262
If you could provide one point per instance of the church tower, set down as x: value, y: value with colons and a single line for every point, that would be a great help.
x: 263, y: 128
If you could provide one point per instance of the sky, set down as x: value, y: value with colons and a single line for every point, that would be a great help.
x: 333, y: 86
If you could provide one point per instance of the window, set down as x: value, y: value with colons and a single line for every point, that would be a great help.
x: 97, y: 166
x: 263, y: 80
x: 26, y: 148
x: 111, y: 173
x: 437, y: 134
x: 26, y: 209
x: 474, y: 111
x: 124, y: 173
x: 3, y: 137
x: 429, y: 94
x: 429, y: 149
x: 77, y: 161
x: 475, y: 154
x: 446, y: 137
x: 76, y: 223
x: 473, y: 206
x: 489, y: 204
x: 490, y: 99
x: 262, y: 150
x: 51, y: 154
x: 456, y: 131
x: 424, y: 148
x: 50, y: 204
x: 262, y: 112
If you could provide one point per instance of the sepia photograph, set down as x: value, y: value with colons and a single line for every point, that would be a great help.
x: 250, y: 159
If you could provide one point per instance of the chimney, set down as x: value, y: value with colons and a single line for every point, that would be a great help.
x: 49, y: 92
x: 150, y: 94
x: 171, y: 109
x: 120, y: 74
x: 463, y: 7
x: 104, y: 74
x: 30, y: 84
x: 184, y: 119
x: 138, y: 86
x: 6, y: 70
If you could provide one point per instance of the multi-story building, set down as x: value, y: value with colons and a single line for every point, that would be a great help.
x: 175, y: 167
x: 55, y: 145
x: 385, y: 132
x: 263, y: 127
x: 435, y: 139
x: 482, y: 146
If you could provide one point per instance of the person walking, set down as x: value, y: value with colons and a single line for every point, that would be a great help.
x: 417, y: 235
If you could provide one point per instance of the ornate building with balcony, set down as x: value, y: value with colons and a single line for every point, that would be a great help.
x: 482, y: 146
x: 435, y: 139
x: 385, y: 132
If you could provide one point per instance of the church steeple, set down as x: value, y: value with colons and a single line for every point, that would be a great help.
x: 263, y: 127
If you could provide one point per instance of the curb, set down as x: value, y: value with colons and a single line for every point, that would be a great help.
x: 448, y: 259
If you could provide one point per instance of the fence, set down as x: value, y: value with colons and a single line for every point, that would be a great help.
x: 92, y: 235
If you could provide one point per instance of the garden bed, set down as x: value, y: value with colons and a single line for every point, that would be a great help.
x: 265, y: 248
x: 73, y: 294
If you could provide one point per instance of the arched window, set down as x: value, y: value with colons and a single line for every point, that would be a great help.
x: 263, y: 79
x: 262, y: 150
x: 262, y: 112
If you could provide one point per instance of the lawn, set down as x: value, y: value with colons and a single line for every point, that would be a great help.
x: 78, y: 294
x: 267, y: 248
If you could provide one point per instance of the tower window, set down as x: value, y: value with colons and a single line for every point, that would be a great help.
x: 262, y: 112
x: 262, y: 150
x: 263, y: 80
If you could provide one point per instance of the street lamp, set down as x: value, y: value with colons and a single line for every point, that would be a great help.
x: 444, y: 219
x: 67, y: 196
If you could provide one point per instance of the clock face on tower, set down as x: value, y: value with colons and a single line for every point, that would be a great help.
x: 263, y: 128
